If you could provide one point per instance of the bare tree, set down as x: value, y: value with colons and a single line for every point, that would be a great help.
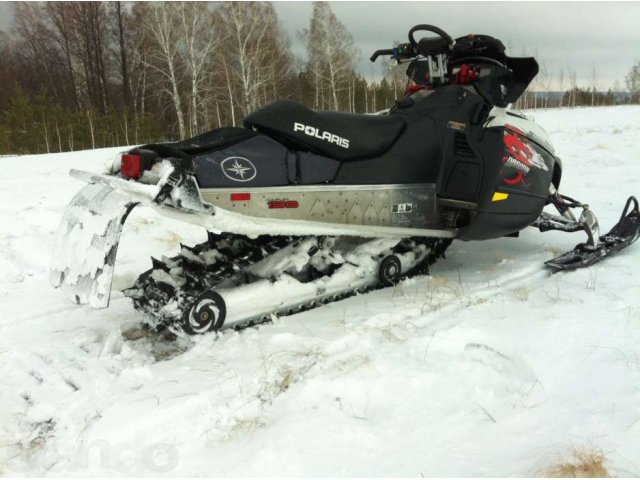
x: 61, y: 18
x: 35, y: 51
x: 396, y: 75
x: 561, y: 86
x: 90, y: 48
x: 121, y: 29
x: 594, y: 83
x: 632, y: 81
x: 252, y: 45
x: 200, y: 44
x: 331, y: 55
x: 573, y: 87
x: 159, y: 21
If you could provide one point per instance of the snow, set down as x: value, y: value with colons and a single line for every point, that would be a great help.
x: 491, y: 366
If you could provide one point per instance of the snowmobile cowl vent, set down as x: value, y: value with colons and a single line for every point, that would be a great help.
x: 461, y: 146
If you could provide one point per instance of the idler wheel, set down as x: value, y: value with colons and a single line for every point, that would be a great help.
x: 205, y: 315
x: 390, y: 271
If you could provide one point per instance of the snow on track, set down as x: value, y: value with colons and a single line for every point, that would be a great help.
x: 490, y: 367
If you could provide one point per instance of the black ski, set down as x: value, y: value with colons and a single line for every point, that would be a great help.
x: 623, y: 234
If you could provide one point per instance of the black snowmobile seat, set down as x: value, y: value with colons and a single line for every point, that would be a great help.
x: 343, y: 136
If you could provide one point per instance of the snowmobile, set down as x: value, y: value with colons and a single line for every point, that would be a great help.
x: 303, y: 207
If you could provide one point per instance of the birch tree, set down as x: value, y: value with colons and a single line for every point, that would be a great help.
x: 251, y: 44
x: 633, y: 82
x: 200, y: 44
x: 159, y: 22
x: 331, y: 55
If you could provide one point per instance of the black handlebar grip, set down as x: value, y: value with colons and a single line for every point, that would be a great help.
x: 377, y: 53
x: 429, y: 28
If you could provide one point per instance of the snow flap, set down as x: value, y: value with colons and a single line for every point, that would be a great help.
x: 86, y: 243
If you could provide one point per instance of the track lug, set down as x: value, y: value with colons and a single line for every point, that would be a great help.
x: 212, y: 238
x: 193, y: 250
x: 159, y: 265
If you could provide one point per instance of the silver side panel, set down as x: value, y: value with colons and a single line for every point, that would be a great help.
x: 396, y: 206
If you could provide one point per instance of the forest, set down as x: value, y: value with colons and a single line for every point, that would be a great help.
x: 80, y: 75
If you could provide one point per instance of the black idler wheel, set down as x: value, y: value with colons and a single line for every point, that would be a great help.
x: 390, y: 271
x: 206, y: 314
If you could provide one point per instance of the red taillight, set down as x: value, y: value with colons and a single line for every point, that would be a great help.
x: 240, y: 197
x: 131, y: 166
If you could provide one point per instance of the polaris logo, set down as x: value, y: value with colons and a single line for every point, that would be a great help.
x: 238, y: 169
x: 316, y: 133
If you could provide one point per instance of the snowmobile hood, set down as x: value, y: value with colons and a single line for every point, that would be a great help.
x: 502, y: 117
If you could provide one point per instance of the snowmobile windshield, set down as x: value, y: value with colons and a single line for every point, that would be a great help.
x: 507, y: 85
x: 524, y: 71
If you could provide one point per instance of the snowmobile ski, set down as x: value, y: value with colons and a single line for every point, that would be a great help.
x: 623, y: 234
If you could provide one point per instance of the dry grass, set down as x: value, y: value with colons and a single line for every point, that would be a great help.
x: 351, y: 364
x: 441, y: 292
x: 389, y: 332
x: 244, y: 427
x: 285, y: 368
x: 584, y: 462
x: 593, y: 280
x: 522, y: 293
x: 140, y: 223
x: 171, y: 240
x: 599, y: 146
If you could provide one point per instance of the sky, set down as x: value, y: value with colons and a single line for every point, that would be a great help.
x: 561, y: 35
x: 5, y: 15
x: 575, y: 35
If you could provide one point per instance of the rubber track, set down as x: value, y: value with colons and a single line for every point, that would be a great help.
x: 196, y: 273
x: 234, y: 254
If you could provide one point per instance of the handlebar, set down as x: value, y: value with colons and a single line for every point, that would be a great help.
x: 377, y: 53
x: 413, y: 48
x: 429, y: 28
x: 404, y: 50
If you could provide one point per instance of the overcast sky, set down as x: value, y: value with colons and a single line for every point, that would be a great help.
x: 572, y: 34
x: 564, y: 34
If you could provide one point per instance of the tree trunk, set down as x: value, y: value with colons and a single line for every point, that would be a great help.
x: 124, y: 67
x: 46, y: 133
x: 93, y: 138
x: 233, y: 112
x: 59, y: 139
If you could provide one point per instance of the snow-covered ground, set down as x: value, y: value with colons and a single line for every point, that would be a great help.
x: 490, y: 367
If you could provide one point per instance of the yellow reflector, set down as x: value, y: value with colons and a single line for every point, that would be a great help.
x: 497, y: 196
